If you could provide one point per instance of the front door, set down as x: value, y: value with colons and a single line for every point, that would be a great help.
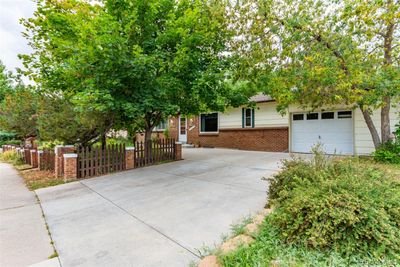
x: 182, y: 129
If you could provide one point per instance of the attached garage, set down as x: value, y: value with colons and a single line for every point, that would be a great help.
x: 333, y: 129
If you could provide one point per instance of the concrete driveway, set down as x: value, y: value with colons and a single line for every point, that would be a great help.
x: 159, y: 215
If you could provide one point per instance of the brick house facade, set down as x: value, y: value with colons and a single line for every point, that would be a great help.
x: 340, y: 129
x: 274, y: 139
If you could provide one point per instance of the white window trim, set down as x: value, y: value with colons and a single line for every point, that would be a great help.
x: 161, y: 129
x: 251, y: 118
x: 200, y: 131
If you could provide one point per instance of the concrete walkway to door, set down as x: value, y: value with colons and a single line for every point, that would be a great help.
x: 159, y: 215
x: 23, y: 236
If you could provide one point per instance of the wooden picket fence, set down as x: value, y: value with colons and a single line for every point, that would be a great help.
x: 47, y: 161
x: 94, y: 161
x: 152, y: 152
x: 27, y: 156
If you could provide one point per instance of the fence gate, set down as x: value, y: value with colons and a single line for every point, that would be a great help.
x: 152, y: 152
x: 94, y: 161
x: 27, y: 156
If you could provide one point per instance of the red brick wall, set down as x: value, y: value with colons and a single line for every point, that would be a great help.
x: 262, y: 139
x: 274, y: 139
x: 173, y: 124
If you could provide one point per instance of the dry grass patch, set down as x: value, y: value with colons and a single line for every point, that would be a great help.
x: 36, y: 179
x: 391, y: 169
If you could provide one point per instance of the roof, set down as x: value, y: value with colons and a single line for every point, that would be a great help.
x: 261, y: 98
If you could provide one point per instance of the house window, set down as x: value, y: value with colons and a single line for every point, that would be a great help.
x: 161, y: 126
x: 327, y: 115
x: 298, y: 117
x: 344, y: 114
x: 209, y: 122
x: 312, y: 116
x: 248, y: 117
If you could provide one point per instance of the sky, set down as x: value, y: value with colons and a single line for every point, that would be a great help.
x: 11, y: 41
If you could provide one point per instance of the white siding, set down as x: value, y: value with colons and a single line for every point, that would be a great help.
x: 265, y: 115
x: 231, y: 118
x: 363, y: 139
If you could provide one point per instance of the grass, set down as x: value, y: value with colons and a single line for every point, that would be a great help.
x: 239, y: 228
x: 270, y: 250
x: 35, y: 179
x: 391, y: 169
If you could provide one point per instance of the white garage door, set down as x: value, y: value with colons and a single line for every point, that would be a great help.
x: 333, y: 129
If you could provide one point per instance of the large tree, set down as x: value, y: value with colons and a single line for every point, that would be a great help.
x: 5, y: 81
x: 18, y: 111
x: 141, y: 60
x: 322, y: 53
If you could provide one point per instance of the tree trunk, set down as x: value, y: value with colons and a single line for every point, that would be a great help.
x: 147, y: 134
x: 103, y: 141
x: 371, y: 127
x: 385, y: 120
x: 148, y: 143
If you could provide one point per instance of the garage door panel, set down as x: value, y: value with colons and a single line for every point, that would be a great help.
x: 336, y: 135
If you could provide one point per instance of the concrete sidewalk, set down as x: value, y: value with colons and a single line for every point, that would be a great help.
x: 23, y: 236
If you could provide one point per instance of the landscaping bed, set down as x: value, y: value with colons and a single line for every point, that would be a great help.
x: 327, y: 211
x: 35, y: 179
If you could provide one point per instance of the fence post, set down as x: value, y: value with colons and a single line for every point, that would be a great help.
x: 129, y: 158
x: 178, y: 150
x: 34, y: 158
x: 40, y: 159
x: 70, y: 166
x: 59, y: 160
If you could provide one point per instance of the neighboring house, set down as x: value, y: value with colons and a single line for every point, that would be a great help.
x: 341, y: 130
x: 158, y: 132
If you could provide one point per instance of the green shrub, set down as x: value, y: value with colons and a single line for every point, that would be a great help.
x: 269, y: 249
x: 12, y: 157
x: 389, y: 152
x: 116, y: 141
x: 338, y: 205
x: 10, y: 142
x: 166, y: 133
x: 5, y: 136
x: 49, y: 144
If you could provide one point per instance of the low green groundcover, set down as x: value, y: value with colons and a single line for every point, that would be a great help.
x: 328, y: 212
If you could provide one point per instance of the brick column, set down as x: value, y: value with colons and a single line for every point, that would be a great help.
x: 39, y: 158
x: 59, y: 152
x: 34, y: 158
x: 129, y: 158
x: 70, y: 166
x: 178, y: 150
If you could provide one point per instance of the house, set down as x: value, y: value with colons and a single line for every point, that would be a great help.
x: 341, y: 130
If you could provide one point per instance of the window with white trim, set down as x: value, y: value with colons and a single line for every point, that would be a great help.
x: 161, y: 126
x: 209, y: 123
x: 247, y: 117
